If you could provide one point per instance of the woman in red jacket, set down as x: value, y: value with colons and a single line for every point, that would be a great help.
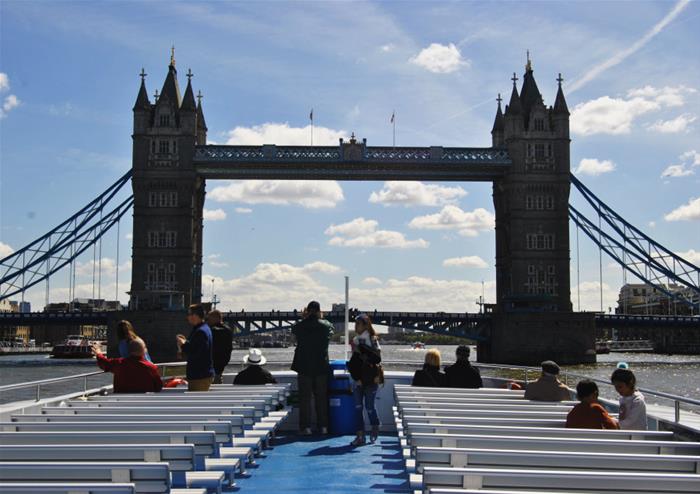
x: 133, y: 374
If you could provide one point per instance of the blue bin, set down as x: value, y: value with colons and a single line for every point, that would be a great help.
x: 341, y: 404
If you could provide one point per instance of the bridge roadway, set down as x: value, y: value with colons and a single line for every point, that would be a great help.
x: 464, y: 324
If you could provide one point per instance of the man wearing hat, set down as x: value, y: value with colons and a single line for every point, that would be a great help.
x: 254, y: 373
x: 548, y: 387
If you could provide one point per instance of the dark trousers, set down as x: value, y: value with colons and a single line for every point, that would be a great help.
x: 313, y: 389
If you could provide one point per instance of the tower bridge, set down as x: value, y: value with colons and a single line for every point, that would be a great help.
x: 528, y: 165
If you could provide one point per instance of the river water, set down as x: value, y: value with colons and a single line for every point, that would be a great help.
x: 675, y: 374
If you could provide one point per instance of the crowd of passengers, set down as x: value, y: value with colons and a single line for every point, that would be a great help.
x: 207, y: 350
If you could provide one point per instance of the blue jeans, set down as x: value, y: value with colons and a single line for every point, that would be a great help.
x: 368, y: 394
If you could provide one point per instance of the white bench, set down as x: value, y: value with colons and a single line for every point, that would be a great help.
x: 571, y: 480
x: 445, y: 406
x: 483, y: 420
x: 259, y: 405
x: 68, y: 488
x: 572, y: 444
x: 488, y: 401
x: 155, y: 410
x: 204, y: 442
x: 534, y: 431
x: 270, y: 401
x: 462, y: 457
x: 238, y: 422
x: 146, y: 477
x: 222, y: 430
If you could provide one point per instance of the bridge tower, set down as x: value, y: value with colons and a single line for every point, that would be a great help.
x: 534, y: 319
x: 168, y: 197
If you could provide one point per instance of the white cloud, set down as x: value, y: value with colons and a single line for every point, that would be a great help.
x: 306, y: 193
x: 371, y: 280
x: 676, y: 171
x: 467, y: 223
x: 594, y: 167
x: 590, y: 296
x: 214, y: 214
x: 283, y: 134
x: 387, y: 48
x: 107, y: 266
x: 11, y: 102
x: 689, y: 160
x: 4, y: 82
x: 243, y: 210
x: 593, y: 72
x: 5, y: 250
x: 692, y: 156
x: 674, y: 126
x: 465, y: 262
x: 615, y: 116
x: 686, y: 212
x: 692, y: 256
x: 322, y: 267
x: 440, y: 59
x: 652, y: 224
x: 416, y: 194
x: 364, y: 233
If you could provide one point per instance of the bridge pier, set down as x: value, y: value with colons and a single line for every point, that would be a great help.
x: 530, y: 338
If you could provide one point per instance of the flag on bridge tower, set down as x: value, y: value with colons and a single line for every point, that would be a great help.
x: 393, y: 127
x: 311, y: 117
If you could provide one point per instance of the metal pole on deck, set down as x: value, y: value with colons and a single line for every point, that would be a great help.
x: 347, y: 318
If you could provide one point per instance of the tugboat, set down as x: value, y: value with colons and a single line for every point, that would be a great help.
x: 418, y: 345
x: 75, y: 346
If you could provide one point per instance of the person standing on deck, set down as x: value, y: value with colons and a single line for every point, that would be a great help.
x: 548, y: 387
x: 222, y: 338
x: 126, y: 333
x: 198, y: 350
x: 133, y: 374
x: 462, y: 374
x: 313, y: 334
x: 365, y: 371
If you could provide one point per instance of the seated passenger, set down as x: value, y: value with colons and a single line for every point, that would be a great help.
x: 133, y: 374
x: 589, y: 414
x: 254, y: 372
x: 633, y: 408
x: 547, y: 387
x: 430, y: 374
x: 462, y: 374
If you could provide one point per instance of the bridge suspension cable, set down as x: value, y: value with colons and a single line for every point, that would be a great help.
x: 59, y: 247
x: 635, y: 251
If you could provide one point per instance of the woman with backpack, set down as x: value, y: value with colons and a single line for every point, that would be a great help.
x: 366, y: 370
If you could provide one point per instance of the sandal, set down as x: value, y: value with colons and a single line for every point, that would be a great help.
x: 359, y: 441
x: 374, y: 434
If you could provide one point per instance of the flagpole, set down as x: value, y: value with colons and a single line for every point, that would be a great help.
x: 311, y: 117
x: 393, y: 127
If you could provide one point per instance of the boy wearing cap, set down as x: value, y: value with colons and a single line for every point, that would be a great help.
x: 548, y: 387
x: 254, y: 374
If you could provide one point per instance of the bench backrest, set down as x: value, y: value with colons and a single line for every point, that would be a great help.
x: 66, y: 488
x: 618, y: 482
x: 503, y: 421
x: 180, y: 457
x: 451, y: 407
x: 576, y: 445
x: 462, y: 457
x: 238, y: 422
x: 154, y: 410
x: 146, y: 477
x: 259, y: 405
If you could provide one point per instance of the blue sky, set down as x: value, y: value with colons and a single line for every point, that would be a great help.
x: 70, y: 77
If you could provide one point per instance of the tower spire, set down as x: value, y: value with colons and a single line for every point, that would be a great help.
x: 514, y: 106
x: 142, y: 102
x: 172, y: 56
x: 560, y: 106
x: 528, y: 65
x: 498, y: 124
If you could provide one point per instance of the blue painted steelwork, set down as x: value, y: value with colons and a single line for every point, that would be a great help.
x: 60, y: 246
x: 604, y: 321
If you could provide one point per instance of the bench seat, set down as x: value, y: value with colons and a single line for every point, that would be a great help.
x: 67, y: 488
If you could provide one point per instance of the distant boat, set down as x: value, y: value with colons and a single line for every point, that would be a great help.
x: 602, y: 347
x: 17, y: 346
x: 418, y: 345
x: 75, y: 346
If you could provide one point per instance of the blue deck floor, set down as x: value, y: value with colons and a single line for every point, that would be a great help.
x: 328, y: 465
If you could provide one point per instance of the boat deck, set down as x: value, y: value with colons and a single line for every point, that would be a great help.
x: 328, y: 464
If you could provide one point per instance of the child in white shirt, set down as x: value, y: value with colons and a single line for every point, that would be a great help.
x: 633, y: 409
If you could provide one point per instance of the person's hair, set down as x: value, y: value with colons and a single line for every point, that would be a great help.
x: 214, y: 316
x: 367, y: 324
x: 196, y: 310
x: 462, y: 352
x: 136, y: 346
x: 432, y: 357
x: 625, y: 376
x: 125, y: 331
x: 313, y: 310
x: 586, y: 388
